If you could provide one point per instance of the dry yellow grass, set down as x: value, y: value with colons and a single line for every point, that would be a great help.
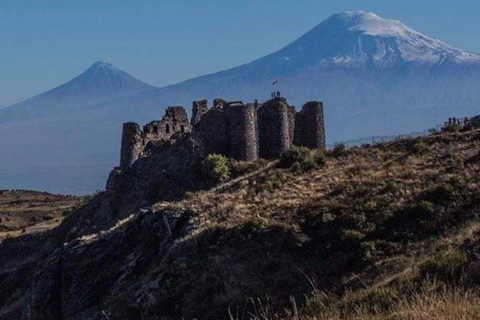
x: 21, y: 209
x: 450, y: 304
x: 274, y: 195
x: 364, y: 182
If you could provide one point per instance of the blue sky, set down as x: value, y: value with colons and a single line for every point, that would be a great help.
x: 45, y: 43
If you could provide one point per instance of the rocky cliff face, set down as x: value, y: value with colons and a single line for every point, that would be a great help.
x: 66, y: 273
x: 81, y: 279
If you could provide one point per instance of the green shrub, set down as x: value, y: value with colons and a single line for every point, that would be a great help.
x: 216, y: 168
x: 418, y: 148
x: 308, y: 165
x: 241, y: 168
x: 319, y: 157
x: 445, y: 266
x: 294, y: 155
x: 339, y: 150
x: 301, y: 159
x: 453, y: 128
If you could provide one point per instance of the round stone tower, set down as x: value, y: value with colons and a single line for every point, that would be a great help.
x: 310, y: 126
x: 242, y: 132
x: 274, y: 128
x: 131, y: 144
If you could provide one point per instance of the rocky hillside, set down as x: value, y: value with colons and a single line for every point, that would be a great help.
x: 391, y: 230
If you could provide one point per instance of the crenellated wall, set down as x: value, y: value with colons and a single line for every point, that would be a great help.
x: 237, y: 130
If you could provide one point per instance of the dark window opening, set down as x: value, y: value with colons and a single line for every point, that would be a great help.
x: 182, y: 128
x: 155, y: 129
x: 167, y: 129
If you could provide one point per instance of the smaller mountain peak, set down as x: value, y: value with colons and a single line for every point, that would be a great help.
x: 102, y: 65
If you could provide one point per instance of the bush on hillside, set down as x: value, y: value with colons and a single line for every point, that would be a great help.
x: 454, y: 128
x: 447, y: 266
x: 302, y: 159
x: 339, y: 150
x: 216, y: 168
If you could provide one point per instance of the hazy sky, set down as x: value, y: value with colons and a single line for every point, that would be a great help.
x: 45, y: 43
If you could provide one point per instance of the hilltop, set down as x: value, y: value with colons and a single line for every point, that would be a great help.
x: 370, y: 227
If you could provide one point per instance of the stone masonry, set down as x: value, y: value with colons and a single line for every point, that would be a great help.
x: 135, y: 141
x: 274, y: 128
x: 240, y: 131
x: 309, y: 126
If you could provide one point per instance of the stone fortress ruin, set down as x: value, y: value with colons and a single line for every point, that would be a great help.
x: 236, y: 130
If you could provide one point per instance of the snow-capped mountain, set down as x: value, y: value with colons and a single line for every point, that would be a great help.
x: 362, y: 39
x: 99, y: 83
x: 375, y: 76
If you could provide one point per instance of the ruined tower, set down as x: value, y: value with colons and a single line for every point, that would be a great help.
x: 234, y: 129
x: 242, y: 131
x: 310, y: 126
x: 274, y: 128
x: 131, y: 147
x: 199, y: 108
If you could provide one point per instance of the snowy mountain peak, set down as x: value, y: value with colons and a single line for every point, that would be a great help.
x: 364, y: 39
x: 369, y: 24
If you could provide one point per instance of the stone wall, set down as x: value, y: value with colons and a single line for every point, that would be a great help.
x: 234, y: 129
x: 291, y: 122
x: 136, y: 141
x: 210, y: 133
x: 199, y: 108
x: 274, y: 128
x: 309, y: 126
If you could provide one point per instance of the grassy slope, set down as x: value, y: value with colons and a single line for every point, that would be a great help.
x: 20, y: 209
x: 371, y: 227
